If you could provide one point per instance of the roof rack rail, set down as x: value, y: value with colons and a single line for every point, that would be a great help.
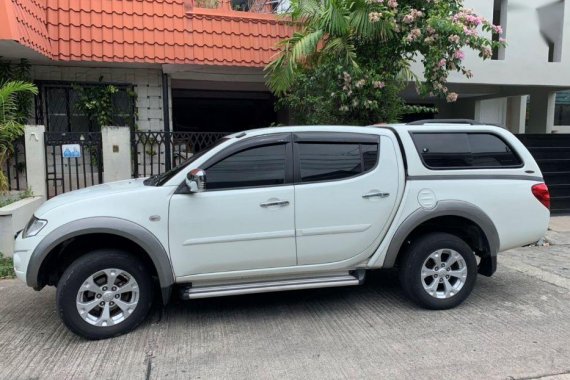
x: 446, y: 121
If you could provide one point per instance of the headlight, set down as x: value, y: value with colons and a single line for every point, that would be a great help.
x: 33, y: 227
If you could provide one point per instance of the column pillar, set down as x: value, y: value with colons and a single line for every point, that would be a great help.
x: 516, y: 114
x: 541, y: 110
x: 36, y: 159
x: 116, y: 153
x: 491, y: 111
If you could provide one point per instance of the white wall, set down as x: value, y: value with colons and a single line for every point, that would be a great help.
x: 526, y: 56
x: 493, y: 111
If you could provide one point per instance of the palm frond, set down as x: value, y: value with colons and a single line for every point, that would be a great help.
x: 305, y: 46
x: 8, y: 91
x: 363, y: 28
x: 279, y: 75
x: 305, y: 9
x: 342, y: 48
x: 335, y: 19
x: 297, y: 49
x: 407, y: 75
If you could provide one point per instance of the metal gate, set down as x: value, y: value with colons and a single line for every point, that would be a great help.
x: 15, y: 168
x: 552, y: 154
x: 157, y: 152
x: 74, y: 160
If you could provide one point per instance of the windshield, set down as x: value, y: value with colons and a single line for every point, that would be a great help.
x: 161, y: 179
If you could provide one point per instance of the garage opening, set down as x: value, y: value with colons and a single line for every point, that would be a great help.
x: 221, y: 111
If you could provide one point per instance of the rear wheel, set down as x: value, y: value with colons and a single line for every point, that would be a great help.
x: 104, y: 293
x: 438, y: 271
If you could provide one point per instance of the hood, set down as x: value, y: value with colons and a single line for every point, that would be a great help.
x: 90, y: 193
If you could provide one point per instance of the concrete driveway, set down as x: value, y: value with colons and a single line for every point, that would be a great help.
x: 515, y: 325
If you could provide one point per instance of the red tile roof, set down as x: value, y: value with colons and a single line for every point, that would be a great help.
x: 149, y: 31
x: 26, y: 23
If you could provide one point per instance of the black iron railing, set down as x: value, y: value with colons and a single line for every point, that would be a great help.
x: 15, y: 168
x: 157, y: 152
x: 66, y: 171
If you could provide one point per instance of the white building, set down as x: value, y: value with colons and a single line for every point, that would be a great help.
x: 522, y: 87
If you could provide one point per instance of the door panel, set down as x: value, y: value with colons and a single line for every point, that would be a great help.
x: 339, y: 219
x: 245, y: 219
x: 222, y: 231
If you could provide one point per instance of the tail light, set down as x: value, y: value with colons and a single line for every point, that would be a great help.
x: 541, y: 193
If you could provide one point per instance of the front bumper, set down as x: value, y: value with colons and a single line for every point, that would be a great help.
x: 23, y: 249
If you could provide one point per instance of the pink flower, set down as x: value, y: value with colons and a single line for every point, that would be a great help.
x: 459, y: 55
x: 502, y: 40
x: 392, y: 3
x: 442, y: 63
x: 360, y: 83
x: 454, y: 38
x: 452, y: 97
x: 470, y: 32
x: 497, y: 29
x: 378, y: 84
x: 374, y: 16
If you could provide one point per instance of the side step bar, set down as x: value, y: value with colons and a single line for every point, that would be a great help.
x: 272, y: 286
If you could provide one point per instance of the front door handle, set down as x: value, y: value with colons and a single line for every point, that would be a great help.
x: 274, y: 203
x: 375, y: 194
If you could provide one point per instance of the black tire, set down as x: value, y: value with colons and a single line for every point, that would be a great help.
x: 414, y: 259
x: 88, y: 265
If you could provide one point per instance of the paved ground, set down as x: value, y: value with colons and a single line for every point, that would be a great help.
x: 515, y: 325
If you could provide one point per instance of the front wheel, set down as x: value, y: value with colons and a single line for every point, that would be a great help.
x: 438, y: 271
x: 104, y: 293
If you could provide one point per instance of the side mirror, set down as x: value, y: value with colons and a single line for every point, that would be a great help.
x: 196, y: 181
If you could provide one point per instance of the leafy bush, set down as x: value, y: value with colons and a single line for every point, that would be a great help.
x: 350, y: 59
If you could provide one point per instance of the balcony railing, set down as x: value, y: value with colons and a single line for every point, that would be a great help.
x: 249, y: 6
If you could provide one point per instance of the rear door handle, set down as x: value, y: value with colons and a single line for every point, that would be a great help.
x: 274, y: 203
x: 375, y: 194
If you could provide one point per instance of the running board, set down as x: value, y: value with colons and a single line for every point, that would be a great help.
x: 272, y: 286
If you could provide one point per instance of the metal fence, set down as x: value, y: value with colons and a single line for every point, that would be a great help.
x: 15, y: 168
x: 66, y: 172
x: 157, y: 152
x: 552, y: 154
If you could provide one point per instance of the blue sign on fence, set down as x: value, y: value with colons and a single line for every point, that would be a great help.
x: 71, y: 151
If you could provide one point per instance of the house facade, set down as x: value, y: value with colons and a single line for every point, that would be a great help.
x: 197, y: 65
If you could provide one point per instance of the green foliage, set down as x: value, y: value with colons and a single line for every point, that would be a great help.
x: 342, y: 97
x: 6, y: 267
x: 20, y: 71
x: 5, y: 200
x: 11, y: 126
x: 330, y: 70
x: 96, y: 102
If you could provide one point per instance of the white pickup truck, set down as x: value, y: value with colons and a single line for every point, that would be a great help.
x: 290, y: 208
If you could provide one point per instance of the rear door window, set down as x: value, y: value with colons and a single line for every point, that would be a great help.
x: 464, y: 151
x: 334, y: 161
